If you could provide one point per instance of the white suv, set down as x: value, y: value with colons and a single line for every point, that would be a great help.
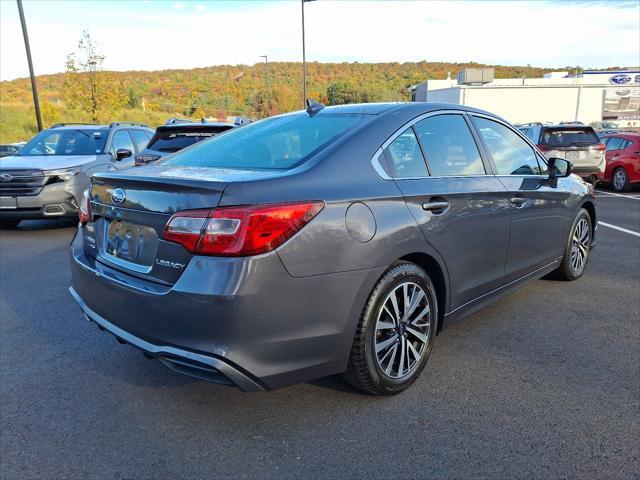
x: 574, y: 142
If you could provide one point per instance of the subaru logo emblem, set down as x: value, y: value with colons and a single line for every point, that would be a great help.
x: 620, y: 79
x: 5, y: 177
x: 118, y: 196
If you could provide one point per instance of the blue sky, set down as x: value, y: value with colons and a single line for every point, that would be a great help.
x: 158, y: 34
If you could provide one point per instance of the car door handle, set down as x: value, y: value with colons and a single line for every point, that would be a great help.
x: 434, y: 206
x: 518, y: 202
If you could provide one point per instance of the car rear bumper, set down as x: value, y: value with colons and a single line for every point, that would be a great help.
x: 244, y: 321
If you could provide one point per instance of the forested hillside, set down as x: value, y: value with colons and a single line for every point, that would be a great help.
x: 220, y: 91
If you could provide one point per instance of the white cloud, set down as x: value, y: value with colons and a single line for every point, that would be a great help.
x: 179, y: 5
x: 154, y: 35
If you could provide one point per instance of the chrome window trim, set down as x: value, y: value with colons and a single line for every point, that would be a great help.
x: 380, y: 169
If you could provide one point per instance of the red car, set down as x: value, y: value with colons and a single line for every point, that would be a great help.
x: 623, y: 160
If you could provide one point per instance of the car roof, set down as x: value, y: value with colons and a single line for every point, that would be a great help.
x: 389, y: 107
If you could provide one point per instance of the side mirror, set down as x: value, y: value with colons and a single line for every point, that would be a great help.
x: 123, y: 153
x: 559, y: 167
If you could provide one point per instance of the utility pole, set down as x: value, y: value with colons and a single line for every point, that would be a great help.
x: 34, y: 89
x: 304, y: 61
x: 266, y: 77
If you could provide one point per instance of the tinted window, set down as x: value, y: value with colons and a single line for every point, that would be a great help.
x: 615, y: 143
x: 121, y: 139
x: 139, y: 138
x: 404, y: 156
x: 274, y: 143
x: 66, y: 141
x: 510, y: 153
x: 172, y: 140
x: 449, y: 146
x: 569, y: 137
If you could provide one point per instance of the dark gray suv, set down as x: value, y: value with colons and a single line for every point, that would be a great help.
x: 338, y: 239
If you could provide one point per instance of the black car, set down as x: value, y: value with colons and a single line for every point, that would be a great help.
x: 178, y: 134
x: 6, y: 150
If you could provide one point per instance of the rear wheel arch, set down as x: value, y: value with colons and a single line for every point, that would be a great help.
x: 591, y: 210
x: 438, y: 278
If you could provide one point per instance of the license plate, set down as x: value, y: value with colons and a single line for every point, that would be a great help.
x: 131, y: 243
x: 8, y: 203
x: 573, y: 156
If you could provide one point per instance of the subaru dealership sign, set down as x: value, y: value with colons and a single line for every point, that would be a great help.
x: 620, y: 79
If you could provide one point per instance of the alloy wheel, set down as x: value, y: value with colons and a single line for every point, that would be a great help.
x: 403, y: 328
x: 619, y: 179
x: 580, y: 244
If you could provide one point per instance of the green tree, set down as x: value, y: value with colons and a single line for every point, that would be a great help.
x: 87, y: 86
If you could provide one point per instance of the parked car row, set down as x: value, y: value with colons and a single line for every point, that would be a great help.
x: 45, y: 178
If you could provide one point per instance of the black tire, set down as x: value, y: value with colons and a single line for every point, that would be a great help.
x: 364, y: 370
x: 621, y: 184
x: 567, y: 270
x: 9, y: 223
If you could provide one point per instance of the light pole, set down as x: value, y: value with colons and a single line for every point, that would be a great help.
x: 266, y: 77
x: 34, y: 90
x: 304, y: 61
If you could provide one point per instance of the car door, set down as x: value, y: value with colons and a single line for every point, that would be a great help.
x: 122, y: 140
x: 539, y: 210
x: 463, y: 211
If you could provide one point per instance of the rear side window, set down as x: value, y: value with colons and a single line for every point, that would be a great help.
x: 274, y: 143
x: 139, y: 138
x: 404, y: 156
x: 615, y: 143
x: 510, y: 153
x: 569, y: 137
x: 449, y: 146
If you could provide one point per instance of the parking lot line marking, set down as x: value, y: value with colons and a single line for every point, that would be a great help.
x: 615, y: 227
x: 618, y: 195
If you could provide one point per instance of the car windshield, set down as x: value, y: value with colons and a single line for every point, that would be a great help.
x: 569, y: 137
x: 172, y: 140
x: 66, y: 141
x: 281, y: 142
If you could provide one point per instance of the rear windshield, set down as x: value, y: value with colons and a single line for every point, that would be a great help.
x: 275, y: 143
x: 173, y: 141
x: 66, y: 141
x: 569, y: 137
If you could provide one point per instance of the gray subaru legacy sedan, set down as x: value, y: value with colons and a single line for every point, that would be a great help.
x: 331, y: 240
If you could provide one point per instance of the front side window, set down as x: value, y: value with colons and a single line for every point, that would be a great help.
x: 65, y: 141
x: 281, y: 142
x: 510, y: 153
x: 121, y: 139
x: 139, y: 138
x: 404, y: 156
x: 449, y: 146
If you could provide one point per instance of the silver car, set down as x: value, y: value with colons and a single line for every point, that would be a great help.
x: 332, y: 240
x: 46, y: 177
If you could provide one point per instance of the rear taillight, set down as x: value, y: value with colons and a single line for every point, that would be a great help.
x: 601, y: 147
x: 84, y: 212
x: 239, y: 231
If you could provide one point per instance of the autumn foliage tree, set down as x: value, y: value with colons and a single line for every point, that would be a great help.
x: 87, y: 86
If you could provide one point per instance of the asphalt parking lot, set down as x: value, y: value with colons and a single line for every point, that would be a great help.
x: 543, y: 384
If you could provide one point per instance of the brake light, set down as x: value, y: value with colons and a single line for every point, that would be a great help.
x: 600, y: 147
x: 239, y: 231
x: 84, y: 211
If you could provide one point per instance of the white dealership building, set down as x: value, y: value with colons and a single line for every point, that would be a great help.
x: 591, y: 96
